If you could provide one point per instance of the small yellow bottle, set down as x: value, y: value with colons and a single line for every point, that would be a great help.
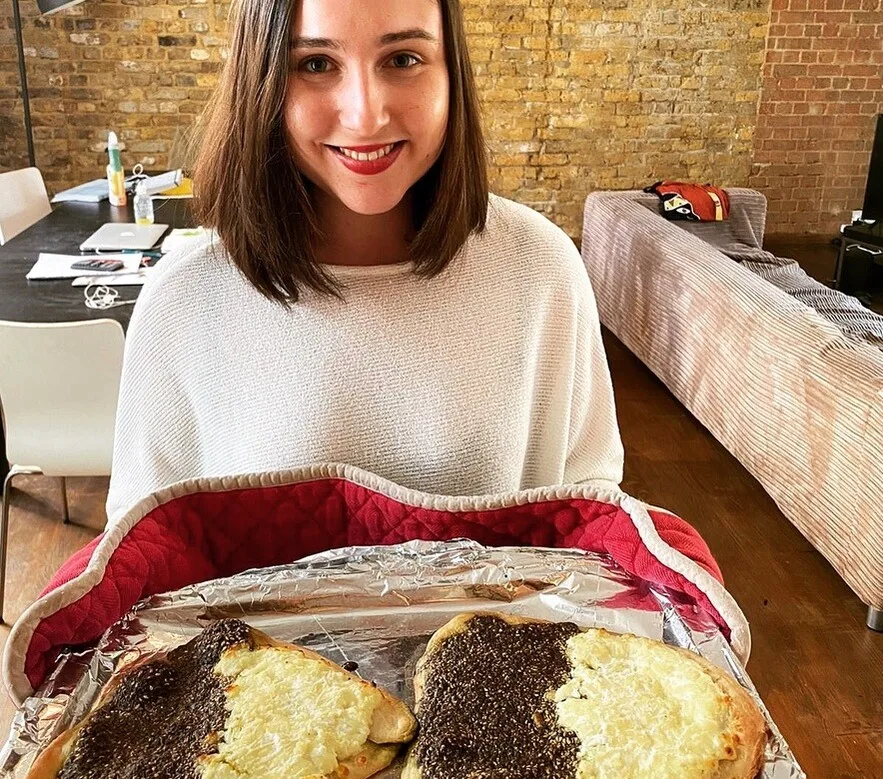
x: 116, y: 180
x: 143, y: 205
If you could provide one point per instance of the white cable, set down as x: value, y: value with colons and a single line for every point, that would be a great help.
x: 99, y: 296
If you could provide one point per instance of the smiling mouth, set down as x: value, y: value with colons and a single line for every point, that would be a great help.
x: 370, y: 156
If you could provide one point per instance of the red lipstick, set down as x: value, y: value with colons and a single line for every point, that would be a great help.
x: 368, y: 167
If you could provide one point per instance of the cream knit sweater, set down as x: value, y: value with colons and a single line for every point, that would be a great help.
x: 490, y: 377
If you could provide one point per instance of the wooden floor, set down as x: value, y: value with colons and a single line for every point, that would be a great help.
x: 815, y: 664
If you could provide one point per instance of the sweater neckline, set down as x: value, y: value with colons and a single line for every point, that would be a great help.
x: 368, y: 271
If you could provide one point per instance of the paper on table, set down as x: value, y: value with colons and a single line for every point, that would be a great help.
x: 117, y: 279
x: 91, y: 192
x: 58, y: 266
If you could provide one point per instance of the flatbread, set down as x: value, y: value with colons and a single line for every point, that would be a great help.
x: 606, y: 708
x: 312, y: 709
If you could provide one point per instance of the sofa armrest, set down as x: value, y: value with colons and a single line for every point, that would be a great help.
x: 753, y: 205
x: 796, y: 401
x: 746, y: 225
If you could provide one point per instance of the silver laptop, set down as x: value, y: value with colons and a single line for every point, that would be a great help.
x: 117, y: 236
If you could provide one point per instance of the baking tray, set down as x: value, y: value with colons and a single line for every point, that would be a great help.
x: 377, y: 606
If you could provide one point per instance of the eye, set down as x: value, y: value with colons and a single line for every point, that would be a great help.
x: 404, y: 60
x: 320, y: 62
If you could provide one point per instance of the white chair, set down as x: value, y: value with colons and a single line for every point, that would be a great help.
x: 23, y: 201
x: 58, y: 389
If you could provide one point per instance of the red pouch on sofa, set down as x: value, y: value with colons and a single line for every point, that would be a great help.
x: 691, y: 202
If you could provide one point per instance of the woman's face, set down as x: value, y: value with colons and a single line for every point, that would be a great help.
x: 364, y: 77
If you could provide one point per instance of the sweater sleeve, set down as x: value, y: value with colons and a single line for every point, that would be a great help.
x: 154, y: 422
x: 594, y: 451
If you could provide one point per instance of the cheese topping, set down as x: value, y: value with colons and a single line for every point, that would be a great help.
x: 287, y: 708
x: 639, y: 710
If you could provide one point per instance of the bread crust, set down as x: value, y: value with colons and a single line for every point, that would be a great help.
x: 50, y: 761
x: 748, y: 728
x: 392, y: 723
x: 747, y: 722
x: 371, y: 759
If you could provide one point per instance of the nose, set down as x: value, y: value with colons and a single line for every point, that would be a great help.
x: 363, y: 104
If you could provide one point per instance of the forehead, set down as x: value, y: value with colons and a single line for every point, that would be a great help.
x: 364, y: 19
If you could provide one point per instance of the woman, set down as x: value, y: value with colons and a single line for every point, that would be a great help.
x: 365, y: 300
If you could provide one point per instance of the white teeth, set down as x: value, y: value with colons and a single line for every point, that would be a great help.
x: 374, y: 155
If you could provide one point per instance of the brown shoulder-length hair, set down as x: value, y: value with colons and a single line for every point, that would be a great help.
x: 249, y: 190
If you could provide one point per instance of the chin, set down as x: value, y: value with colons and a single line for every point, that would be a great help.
x: 369, y: 204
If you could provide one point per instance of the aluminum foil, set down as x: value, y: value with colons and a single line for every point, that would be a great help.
x: 377, y: 607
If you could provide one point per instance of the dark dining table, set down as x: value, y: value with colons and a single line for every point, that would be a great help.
x: 62, y: 232
x: 55, y: 300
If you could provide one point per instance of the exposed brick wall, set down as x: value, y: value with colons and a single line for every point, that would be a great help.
x: 822, y: 87
x: 141, y: 67
x: 615, y: 94
x: 578, y: 95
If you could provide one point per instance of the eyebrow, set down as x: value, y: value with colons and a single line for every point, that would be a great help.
x: 390, y: 37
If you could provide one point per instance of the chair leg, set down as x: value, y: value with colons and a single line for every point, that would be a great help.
x: 875, y: 619
x: 4, y: 538
x: 16, y: 470
x: 838, y: 267
x: 65, y: 514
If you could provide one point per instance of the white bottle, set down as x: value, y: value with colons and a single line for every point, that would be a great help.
x: 143, y: 205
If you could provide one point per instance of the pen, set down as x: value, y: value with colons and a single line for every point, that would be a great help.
x: 152, y: 253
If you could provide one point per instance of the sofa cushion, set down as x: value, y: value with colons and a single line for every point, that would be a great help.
x: 844, y: 311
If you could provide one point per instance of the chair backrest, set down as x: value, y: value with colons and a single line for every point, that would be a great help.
x: 58, y: 388
x: 23, y: 200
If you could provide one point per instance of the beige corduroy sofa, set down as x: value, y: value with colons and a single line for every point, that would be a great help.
x: 797, y: 402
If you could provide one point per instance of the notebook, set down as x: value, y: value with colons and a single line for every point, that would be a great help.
x: 118, y: 279
x: 90, y: 192
x: 182, y: 190
x: 117, y: 236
